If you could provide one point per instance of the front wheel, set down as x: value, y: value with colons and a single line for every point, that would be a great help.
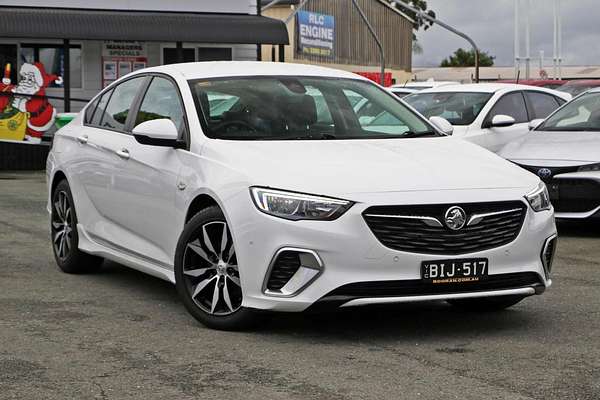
x: 487, y: 303
x: 207, y: 274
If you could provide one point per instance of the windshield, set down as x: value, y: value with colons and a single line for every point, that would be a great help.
x: 294, y: 108
x: 581, y: 114
x: 459, y: 108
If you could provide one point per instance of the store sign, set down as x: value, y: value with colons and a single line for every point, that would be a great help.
x: 123, y: 48
x: 120, y: 57
x: 316, y: 33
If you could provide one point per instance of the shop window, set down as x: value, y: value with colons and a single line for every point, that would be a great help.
x: 51, y: 56
x: 170, y: 55
x: 8, y: 55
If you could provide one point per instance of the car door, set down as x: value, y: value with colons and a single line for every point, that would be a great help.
x: 105, y: 136
x: 145, y: 184
x: 513, y: 105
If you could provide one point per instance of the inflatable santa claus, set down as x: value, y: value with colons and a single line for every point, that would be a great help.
x: 30, y: 97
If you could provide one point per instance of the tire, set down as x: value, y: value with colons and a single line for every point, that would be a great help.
x: 206, y: 269
x: 483, y: 304
x: 64, y: 236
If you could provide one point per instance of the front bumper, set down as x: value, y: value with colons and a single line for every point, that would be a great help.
x: 351, y: 253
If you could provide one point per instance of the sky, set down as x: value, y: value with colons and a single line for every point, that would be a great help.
x: 490, y: 23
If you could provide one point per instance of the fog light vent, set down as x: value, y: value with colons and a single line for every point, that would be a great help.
x: 291, y: 271
x: 548, y: 254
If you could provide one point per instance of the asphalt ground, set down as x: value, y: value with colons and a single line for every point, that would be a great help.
x: 120, y: 334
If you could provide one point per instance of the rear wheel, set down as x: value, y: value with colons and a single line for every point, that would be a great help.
x: 487, y: 303
x: 65, y: 240
x: 207, y: 273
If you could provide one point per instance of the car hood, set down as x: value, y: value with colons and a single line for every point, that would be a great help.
x: 554, y: 148
x: 340, y: 167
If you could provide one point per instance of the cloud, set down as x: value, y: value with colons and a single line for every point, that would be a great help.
x: 491, y: 23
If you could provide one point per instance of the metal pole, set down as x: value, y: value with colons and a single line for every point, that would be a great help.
x: 67, y: 74
x: 555, y: 41
x: 447, y: 27
x: 271, y: 4
x: 517, y: 39
x: 559, y: 39
x: 258, y: 45
x: 381, y: 51
x: 179, y: 51
x: 527, y: 40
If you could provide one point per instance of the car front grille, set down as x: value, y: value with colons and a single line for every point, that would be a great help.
x: 403, y: 228
x: 417, y: 287
x: 574, y: 195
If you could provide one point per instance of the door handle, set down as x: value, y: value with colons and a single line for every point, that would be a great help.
x: 83, y: 139
x: 123, y: 153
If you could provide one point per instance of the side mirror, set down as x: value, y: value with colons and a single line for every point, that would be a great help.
x: 442, y: 124
x: 157, y: 132
x: 502, y: 121
x: 535, y: 123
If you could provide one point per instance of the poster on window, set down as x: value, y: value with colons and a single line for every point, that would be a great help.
x: 137, y: 65
x: 25, y: 112
x: 124, y: 68
x: 109, y: 70
x: 316, y: 33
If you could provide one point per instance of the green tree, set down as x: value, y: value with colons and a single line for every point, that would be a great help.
x: 419, y: 21
x: 464, y: 58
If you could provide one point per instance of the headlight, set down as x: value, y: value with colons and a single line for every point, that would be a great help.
x: 297, y: 206
x: 539, y: 198
x: 590, y: 167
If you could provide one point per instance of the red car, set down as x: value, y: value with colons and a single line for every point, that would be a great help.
x: 546, y: 83
x: 579, y: 86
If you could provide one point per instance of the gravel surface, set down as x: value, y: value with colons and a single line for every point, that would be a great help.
x: 120, y: 334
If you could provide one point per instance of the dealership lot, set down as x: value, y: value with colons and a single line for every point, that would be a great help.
x: 122, y: 334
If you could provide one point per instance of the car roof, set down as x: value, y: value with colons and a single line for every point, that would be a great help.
x: 429, y: 84
x: 216, y: 69
x: 584, y: 82
x: 493, y: 88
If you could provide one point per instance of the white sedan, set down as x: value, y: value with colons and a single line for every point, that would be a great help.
x: 490, y: 115
x: 564, y: 151
x: 256, y: 186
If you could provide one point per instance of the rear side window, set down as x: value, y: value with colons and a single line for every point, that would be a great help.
x: 542, y: 104
x: 161, y: 101
x: 99, y: 112
x: 119, y: 104
x: 513, y: 105
x: 89, y: 111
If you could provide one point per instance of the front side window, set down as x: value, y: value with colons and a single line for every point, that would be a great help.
x: 294, y: 108
x: 542, y: 104
x: 513, y: 105
x: 581, y: 114
x: 459, y: 108
x: 161, y: 101
x: 119, y: 104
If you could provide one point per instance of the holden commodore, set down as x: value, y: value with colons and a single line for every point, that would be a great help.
x: 256, y: 186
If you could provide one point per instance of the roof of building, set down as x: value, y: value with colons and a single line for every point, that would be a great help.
x: 59, y: 23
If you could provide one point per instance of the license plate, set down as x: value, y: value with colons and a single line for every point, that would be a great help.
x: 454, y: 271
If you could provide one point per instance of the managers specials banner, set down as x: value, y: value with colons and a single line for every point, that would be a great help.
x: 316, y: 33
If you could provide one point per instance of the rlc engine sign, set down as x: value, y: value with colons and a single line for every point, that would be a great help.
x: 316, y: 33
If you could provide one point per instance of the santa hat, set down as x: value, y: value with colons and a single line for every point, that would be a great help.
x: 42, y: 78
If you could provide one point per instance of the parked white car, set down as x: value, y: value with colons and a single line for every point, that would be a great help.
x: 428, y: 84
x: 488, y: 114
x: 285, y: 200
x: 564, y: 151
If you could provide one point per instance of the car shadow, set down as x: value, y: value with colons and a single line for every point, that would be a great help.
x: 421, y: 322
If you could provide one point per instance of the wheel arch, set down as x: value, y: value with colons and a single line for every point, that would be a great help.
x: 56, y: 178
x: 199, y: 203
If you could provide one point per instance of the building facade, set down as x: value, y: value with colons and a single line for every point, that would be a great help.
x: 332, y: 33
x: 55, y: 55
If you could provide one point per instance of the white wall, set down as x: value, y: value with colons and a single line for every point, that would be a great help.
x: 222, y: 6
